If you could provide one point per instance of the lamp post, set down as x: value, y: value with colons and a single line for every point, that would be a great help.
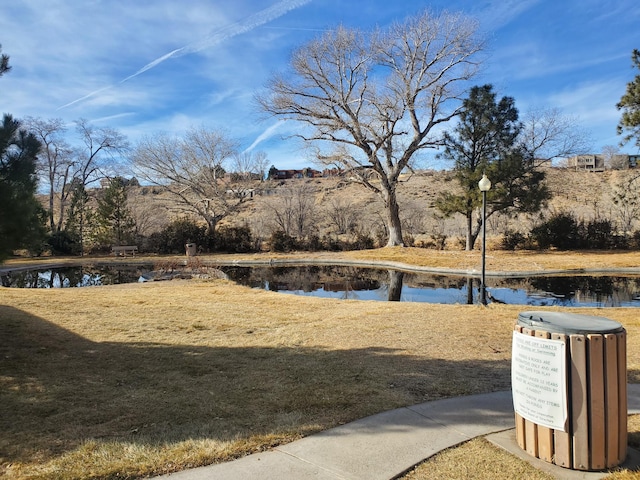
x: 484, y: 185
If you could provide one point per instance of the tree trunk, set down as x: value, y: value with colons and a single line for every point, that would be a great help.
x: 393, y: 218
x: 52, y: 223
x: 470, y: 291
x: 472, y: 234
x: 395, y: 285
x: 470, y: 239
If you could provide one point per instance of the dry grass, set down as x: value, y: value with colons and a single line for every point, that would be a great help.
x: 142, y: 379
x: 477, y: 459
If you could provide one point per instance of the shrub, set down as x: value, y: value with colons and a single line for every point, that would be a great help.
x: 362, y: 242
x: 634, y: 241
x: 282, y: 242
x: 234, y: 240
x: 564, y: 232
x: 599, y: 235
x: 63, y: 243
x: 513, y: 241
x: 172, y: 239
x: 561, y: 231
x: 314, y: 244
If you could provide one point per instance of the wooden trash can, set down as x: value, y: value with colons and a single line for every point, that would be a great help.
x: 591, y: 368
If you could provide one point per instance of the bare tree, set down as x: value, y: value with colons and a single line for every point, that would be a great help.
x: 374, y: 98
x: 193, y: 170
x: 547, y: 134
x: 626, y: 203
x: 342, y: 215
x: 54, y: 164
x: 102, y: 149
x: 251, y: 164
x: 293, y: 212
x: 613, y: 159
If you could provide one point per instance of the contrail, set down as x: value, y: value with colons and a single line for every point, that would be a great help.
x: 214, y: 37
x: 268, y: 133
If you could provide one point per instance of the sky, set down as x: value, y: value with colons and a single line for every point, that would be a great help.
x: 149, y: 66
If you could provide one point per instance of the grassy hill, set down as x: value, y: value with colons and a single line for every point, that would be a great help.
x: 328, y: 202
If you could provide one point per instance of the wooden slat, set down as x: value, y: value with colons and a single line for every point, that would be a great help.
x: 612, y: 411
x: 520, y: 435
x: 595, y: 358
x: 622, y: 395
x: 530, y: 428
x: 580, y: 415
x: 562, y: 439
x: 545, y: 434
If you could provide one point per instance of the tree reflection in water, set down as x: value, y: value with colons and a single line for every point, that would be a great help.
x: 73, y: 276
x: 395, y: 285
x: 349, y: 282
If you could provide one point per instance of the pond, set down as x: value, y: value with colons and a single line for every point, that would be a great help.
x: 346, y: 282
x: 394, y: 285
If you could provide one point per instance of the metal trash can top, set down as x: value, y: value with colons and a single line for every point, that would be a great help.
x: 568, y: 323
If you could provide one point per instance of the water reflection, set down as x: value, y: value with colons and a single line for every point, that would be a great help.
x: 345, y: 282
x: 72, y: 276
x: 393, y: 285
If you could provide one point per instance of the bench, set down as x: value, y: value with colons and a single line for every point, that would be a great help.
x: 122, y: 250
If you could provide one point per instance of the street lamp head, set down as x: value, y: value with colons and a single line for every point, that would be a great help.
x: 484, y: 184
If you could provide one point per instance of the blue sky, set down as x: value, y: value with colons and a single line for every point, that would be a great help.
x: 161, y: 65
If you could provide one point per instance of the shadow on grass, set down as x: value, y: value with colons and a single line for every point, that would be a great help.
x: 58, y: 389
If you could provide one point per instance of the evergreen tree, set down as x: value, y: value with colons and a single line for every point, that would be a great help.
x: 113, y: 220
x: 485, y: 141
x: 4, y: 63
x: 78, y: 216
x: 21, y: 216
x: 630, y: 106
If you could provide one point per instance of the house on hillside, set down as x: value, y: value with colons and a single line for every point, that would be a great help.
x: 277, y: 174
x: 596, y: 162
x: 589, y: 162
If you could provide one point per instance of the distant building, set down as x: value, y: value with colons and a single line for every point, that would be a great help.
x: 277, y: 174
x: 590, y: 162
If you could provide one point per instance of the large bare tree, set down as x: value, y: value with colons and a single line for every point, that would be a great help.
x: 193, y: 169
x: 54, y: 164
x: 97, y: 151
x: 370, y: 101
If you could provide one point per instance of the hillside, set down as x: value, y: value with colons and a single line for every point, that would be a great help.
x: 329, y: 202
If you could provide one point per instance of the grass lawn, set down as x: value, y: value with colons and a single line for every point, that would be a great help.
x: 141, y: 379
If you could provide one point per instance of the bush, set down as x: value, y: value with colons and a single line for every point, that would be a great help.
x: 634, y: 241
x: 281, y: 242
x: 599, y: 235
x: 513, y: 241
x: 362, y: 242
x: 234, y: 240
x: 172, y: 239
x: 314, y: 244
x: 63, y: 243
x: 564, y: 232
x: 561, y: 231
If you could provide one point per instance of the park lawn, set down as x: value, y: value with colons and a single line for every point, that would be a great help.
x: 142, y: 379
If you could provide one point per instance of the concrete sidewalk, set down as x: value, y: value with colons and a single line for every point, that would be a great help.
x: 385, y: 445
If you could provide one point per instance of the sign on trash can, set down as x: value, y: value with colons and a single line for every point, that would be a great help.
x: 569, y: 386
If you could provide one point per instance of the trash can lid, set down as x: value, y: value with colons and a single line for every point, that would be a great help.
x: 567, y: 323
